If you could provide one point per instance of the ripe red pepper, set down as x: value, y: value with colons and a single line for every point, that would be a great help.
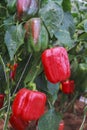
x: 36, y: 35
x: 33, y: 26
x: 2, y: 96
x: 29, y: 105
x: 68, y: 86
x: 61, y: 125
x: 17, y: 123
x: 56, y: 64
x: 26, y: 7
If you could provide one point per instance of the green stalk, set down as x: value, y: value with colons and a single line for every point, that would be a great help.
x: 73, y: 100
x: 2, y: 25
x: 3, y: 108
x: 82, y: 125
x: 22, y: 73
x: 50, y: 105
x: 31, y: 84
x: 84, y: 118
x: 36, y: 72
x: 8, y: 96
x: 8, y: 109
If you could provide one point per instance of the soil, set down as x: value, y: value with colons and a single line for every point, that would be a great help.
x: 72, y: 120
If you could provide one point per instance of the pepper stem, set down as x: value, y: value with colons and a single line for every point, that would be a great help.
x: 36, y: 72
x: 32, y: 85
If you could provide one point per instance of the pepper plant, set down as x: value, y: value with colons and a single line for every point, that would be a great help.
x: 42, y: 46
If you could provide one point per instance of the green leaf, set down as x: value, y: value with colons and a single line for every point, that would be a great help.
x: 66, y: 5
x: 3, y: 50
x: 64, y: 38
x: 53, y: 88
x: 50, y: 120
x: 66, y: 31
x: 52, y: 92
x: 74, y: 65
x: 80, y: 77
x: 41, y: 83
x: 44, y: 2
x: 68, y: 23
x: 83, y: 36
x: 34, y: 69
x: 85, y: 25
x: 83, y: 67
x: 14, y: 38
x: 58, y: 1
x: 8, y: 22
x: 52, y: 16
x: 11, y: 4
x: 2, y: 75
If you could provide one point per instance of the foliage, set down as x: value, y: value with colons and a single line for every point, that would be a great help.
x: 66, y: 24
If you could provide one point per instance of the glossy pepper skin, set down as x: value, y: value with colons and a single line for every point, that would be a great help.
x: 61, y: 125
x: 68, y: 86
x: 26, y: 8
x: 2, y: 96
x: 17, y: 123
x: 36, y: 34
x: 56, y: 64
x: 29, y: 105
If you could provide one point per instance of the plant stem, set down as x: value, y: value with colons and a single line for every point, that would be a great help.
x: 8, y: 96
x: 71, y: 102
x: 3, y: 108
x: 3, y: 7
x: 8, y: 109
x: 82, y: 125
x: 50, y: 105
x: 22, y: 73
x: 36, y: 72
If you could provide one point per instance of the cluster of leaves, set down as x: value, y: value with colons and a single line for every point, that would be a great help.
x: 79, y: 52
x: 66, y: 24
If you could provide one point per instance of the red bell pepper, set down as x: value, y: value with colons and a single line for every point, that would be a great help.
x: 32, y: 27
x: 2, y: 96
x: 29, y: 105
x: 36, y: 35
x: 56, y: 64
x: 26, y: 7
x: 61, y: 125
x: 68, y: 86
x: 17, y: 123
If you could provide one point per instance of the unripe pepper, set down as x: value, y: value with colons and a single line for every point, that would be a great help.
x: 17, y: 123
x: 13, y: 71
x: 36, y: 35
x: 68, y: 86
x: 26, y: 8
x: 29, y: 105
x: 2, y: 96
x: 56, y: 64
